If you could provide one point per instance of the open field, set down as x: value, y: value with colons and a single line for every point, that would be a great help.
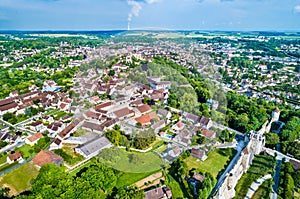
x: 127, y: 179
x: 57, y: 114
x: 174, y: 186
x: 3, y: 159
x: 131, y: 162
x: 63, y: 35
x: 20, y: 178
x: 25, y: 151
x: 215, y: 162
x: 151, y: 178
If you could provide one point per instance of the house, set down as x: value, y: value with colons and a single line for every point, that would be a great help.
x: 137, y: 102
x: 158, y: 125
x: 178, y: 126
x: 205, y: 122
x: 208, y: 133
x: 50, y: 86
x: 56, y: 144
x: 198, y: 177
x: 123, y: 113
x: 64, y: 106
x: 10, y: 107
x: 199, y: 154
x: 163, y: 113
x: 184, y: 137
x: 157, y: 193
x: 156, y: 83
x: 146, y: 119
x: 95, y: 100
x: 93, y: 147
x: 171, y: 153
x: 47, y: 157
x: 191, y: 117
x: 93, y: 127
x: 92, y: 115
x: 37, y: 126
x: 105, y: 106
x: 47, y: 119
x: 144, y: 108
x: 54, y: 128
x: 68, y: 130
x: 32, y: 140
x: 14, y: 94
x: 15, y: 157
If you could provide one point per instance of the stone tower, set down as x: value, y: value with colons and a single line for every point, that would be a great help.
x: 275, y: 114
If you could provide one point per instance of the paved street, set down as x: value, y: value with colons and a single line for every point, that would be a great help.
x: 256, y: 184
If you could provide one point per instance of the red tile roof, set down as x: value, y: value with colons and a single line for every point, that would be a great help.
x: 144, y: 108
x: 15, y: 156
x: 207, y: 133
x: 46, y: 157
x: 35, y: 137
x: 146, y: 119
x: 179, y: 124
x: 8, y: 106
x: 198, y: 177
x: 67, y: 130
x: 103, y: 105
x: 204, y: 120
x: 123, y: 112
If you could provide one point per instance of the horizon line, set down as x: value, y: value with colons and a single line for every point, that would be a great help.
x: 140, y: 29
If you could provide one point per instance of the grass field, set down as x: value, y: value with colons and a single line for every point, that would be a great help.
x: 261, y: 165
x: 25, y: 151
x: 215, y: 162
x: 131, y: 162
x: 19, y: 179
x: 57, y: 114
x: 127, y: 179
x: 3, y: 159
x: 162, y: 148
x: 175, y: 187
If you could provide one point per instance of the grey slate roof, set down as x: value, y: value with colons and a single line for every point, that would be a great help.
x: 95, y: 145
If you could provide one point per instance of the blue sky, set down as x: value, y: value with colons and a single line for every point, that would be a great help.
x: 277, y: 15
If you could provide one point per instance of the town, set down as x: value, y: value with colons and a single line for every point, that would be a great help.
x: 205, y: 116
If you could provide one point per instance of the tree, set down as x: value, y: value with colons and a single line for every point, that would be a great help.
x: 112, y: 73
x: 7, y: 116
x: 296, y: 177
x: 272, y: 139
x: 139, y: 125
x: 291, y: 131
x: 4, y: 193
x: 188, y: 102
x: 128, y: 193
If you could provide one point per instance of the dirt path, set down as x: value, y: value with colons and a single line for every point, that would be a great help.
x: 149, y: 178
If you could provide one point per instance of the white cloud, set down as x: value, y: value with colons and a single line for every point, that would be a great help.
x: 136, y: 7
x: 297, y: 8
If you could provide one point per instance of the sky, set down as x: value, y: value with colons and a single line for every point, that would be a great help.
x: 236, y: 15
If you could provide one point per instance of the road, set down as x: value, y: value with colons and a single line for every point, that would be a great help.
x: 276, y: 180
x: 11, y: 147
x: 240, y: 146
x: 256, y: 184
x: 17, y: 127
